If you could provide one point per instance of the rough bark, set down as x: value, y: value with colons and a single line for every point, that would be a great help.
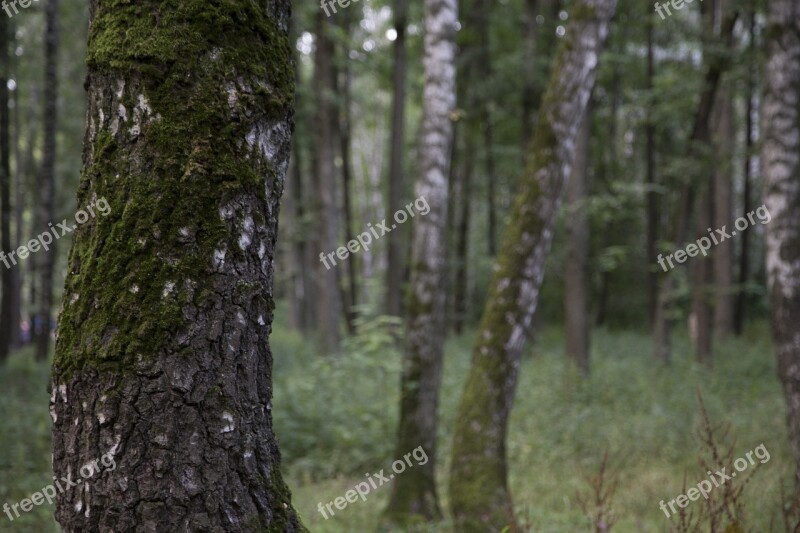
x: 478, y: 485
x: 394, y: 272
x: 576, y: 270
x: 414, y: 493
x: 162, y: 360
x: 780, y: 155
x: 328, y: 299
x: 6, y: 276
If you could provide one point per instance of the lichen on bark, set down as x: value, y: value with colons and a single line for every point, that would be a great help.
x: 162, y: 353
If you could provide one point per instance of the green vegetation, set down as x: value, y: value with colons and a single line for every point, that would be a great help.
x: 336, y: 416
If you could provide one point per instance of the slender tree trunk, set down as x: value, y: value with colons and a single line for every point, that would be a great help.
x: 478, y: 484
x: 723, y: 216
x: 46, y: 260
x: 576, y: 271
x: 163, y: 366
x: 780, y: 156
x: 344, y: 143
x: 395, y: 268
x: 328, y: 312
x: 530, y: 95
x: 652, y: 215
x: 744, y: 258
x: 701, y: 319
x: 461, y: 292
x: 6, y: 277
x: 414, y: 493
x: 20, y: 168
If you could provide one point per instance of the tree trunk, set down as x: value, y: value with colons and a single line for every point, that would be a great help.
x: 395, y: 269
x: 576, y: 270
x: 780, y: 156
x: 414, y: 493
x: 6, y: 276
x: 46, y: 259
x: 744, y: 258
x: 19, y: 208
x: 652, y: 214
x: 478, y: 484
x: 344, y: 136
x: 163, y: 368
x: 701, y: 318
x: 328, y: 298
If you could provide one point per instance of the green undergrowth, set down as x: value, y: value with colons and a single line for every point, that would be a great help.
x: 336, y: 415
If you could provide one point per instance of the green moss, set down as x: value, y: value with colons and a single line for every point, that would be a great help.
x: 180, y: 57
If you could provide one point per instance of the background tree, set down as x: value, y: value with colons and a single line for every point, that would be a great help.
x: 479, y: 473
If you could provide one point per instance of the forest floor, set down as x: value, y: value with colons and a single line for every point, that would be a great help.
x: 335, y: 418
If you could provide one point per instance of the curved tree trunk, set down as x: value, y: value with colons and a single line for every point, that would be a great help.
x: 780, y: 155
x: 478, y: 483
x: 414, y: 493
x: 162, y: 363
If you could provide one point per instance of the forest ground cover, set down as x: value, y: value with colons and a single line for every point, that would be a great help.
x: 335, y: 417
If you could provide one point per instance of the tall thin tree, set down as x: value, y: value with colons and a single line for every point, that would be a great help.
x: 780, y: 155
x: 479, y: 473
x: 6, y: 276
x: 415, y: 493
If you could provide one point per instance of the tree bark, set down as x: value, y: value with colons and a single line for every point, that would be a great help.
x: 652, y: 214
x: 46, y: 260
x: 395, y: 268
x: 780, y: 156
x: 478, y: 484
x: 576, y: 271
x: 344, y: 126
x: 19, y: 208
x: 162, y: 364
x: 414, y: 493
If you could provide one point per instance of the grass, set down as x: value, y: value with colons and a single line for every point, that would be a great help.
x: 336, y: 417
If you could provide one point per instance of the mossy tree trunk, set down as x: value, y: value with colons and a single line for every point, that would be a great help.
x: 780, y: 155
x: 162, y: 359
x: 414, y: 492
x: 478, y: 484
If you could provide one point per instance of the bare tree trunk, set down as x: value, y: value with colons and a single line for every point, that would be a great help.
x: 6, y: 277
x: 328, y: 312
x: 652, y: 211
x: 576, y: 273
x: 395, y: 268
x: 414, y: 493
x: 701, y: 319
x: 744, y: 258
x: 780, y: 156
x: 163, y: 367
x: 46, y: 260
x: 344, y: 143
x: 19, y: 207
x: 478, y: 484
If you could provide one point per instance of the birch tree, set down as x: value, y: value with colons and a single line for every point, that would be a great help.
x: 780, y: 156
x: 478, y: 484
x: 162, y: 364
x: 414, y: 493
